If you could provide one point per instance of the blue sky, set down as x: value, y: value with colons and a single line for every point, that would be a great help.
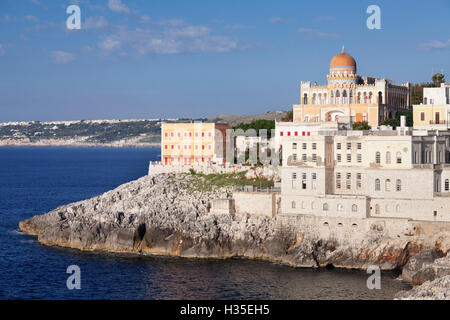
x: 200, y: 58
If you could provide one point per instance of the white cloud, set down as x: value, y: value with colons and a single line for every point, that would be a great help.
x: 169, y: 37
x: 31, y: 18
x: 110, y: 43
x: 436, y: 45
x: 118, y: 6
x: 95, y: 23
x: 279, y: 20
x: 314, y: 33
x: 62, y: 57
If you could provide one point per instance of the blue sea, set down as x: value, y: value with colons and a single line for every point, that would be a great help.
x: 35, y: 180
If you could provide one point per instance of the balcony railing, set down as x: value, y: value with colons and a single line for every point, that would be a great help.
x: 438, y: 122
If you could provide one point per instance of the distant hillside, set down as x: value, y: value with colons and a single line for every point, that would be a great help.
x: 234, y: 120
x: 108, y: 133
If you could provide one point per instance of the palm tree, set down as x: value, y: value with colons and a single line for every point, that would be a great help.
x: 437, y: 79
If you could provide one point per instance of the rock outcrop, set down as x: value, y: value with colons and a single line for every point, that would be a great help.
x: 438, y: 289
x: 169, y: 214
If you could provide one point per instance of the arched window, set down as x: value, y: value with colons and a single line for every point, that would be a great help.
x: 377, y: 157
x: 305, y: 99
x: 377, y: 185
x: 320, y: 98
x: 351, y: 96
x: 388, y: 157
x: 377, y: 209
x: 293, y: 204
x: 387, y: 185
x: 354, y: 208
x: 325, y: 98
x: 306, y: 118
x: 380, y: 97
x: 398, y: 185
x: 325, y: 207
x: 399, y: 157
x: 340, y: 207
x: 314, y: 99
x: 365, y: 97
x: 447, y: 185
x: 338, y: 97
x: 370, y: 97
x: 358, y: 99
x: 344, y: 97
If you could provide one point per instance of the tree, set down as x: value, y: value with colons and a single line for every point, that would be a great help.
x: 437, y: 79
x: 258, y: 125
x: 361, y: 126
x: 288, y: 117
x: 391, y: 122
x: 409, y: 117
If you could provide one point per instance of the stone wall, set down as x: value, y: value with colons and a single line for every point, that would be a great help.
x: 257, y: 203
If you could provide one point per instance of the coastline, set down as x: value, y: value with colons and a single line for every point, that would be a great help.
x: 85, y: 145
x: 164, y: 215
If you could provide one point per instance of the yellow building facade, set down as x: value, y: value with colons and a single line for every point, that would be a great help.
x: 434, y: 111
x: 192, y: 143
x: 349, y: 98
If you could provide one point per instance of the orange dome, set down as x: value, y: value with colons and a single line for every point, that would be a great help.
x: 342, y: 60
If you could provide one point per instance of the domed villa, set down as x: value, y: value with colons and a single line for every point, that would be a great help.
x: 349, y: 98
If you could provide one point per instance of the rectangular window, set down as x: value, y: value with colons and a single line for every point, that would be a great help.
x: 422, y: 116
x: 314, y: 177
x: 359, y: 145
x: 304, y: 146
x: 349, y: 175
x: 349, y: 146
x: 339, y: 157
x: 338, y: 146
x: 304, y: 157
x: 303, y: 175
x: 349, y: 158
x: 281, y: 133
x: 294, y: 175
x: 358, y: 181
x: 359, y: 156
x: 294, y: 146
x: 349, y: 184
x: 294, y: 157
x: 314, y: 146
x: 314, y: 157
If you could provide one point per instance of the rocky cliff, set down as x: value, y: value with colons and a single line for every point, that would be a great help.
x: 169, y: 214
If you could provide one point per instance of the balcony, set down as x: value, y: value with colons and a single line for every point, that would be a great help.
x: 438, y: 122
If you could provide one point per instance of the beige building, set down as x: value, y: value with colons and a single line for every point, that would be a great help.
x: 434, y: 112
x: 193, y: 143
x: 348, y: 97
x: 362, y: 174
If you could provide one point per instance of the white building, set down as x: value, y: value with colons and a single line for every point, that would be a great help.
x: 362, y: 174
x: 434, y: 112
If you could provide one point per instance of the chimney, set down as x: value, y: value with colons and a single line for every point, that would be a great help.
x: 402, y: 121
